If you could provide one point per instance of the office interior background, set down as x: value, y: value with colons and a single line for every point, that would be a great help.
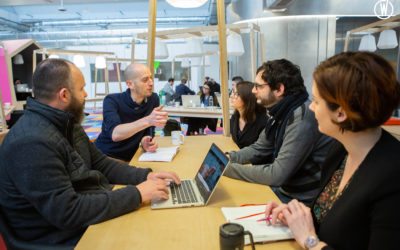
x: 303, y: 31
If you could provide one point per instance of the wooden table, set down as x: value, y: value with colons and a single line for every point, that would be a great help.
x: 393, y: 129
x: 180, y: 228
x: 195, y: 112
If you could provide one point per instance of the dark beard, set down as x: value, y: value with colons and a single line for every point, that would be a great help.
x: 76, y: 109
x: 270, y: 101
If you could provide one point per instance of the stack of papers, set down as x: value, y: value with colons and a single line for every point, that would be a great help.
x: 162, y: 154
x: 260, y: 230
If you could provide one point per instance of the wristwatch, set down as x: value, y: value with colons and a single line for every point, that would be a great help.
x: 311, y: 241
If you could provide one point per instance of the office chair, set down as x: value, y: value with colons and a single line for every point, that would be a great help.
x: 12, y: 243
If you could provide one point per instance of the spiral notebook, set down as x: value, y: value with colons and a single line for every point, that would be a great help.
x: 260, y: 230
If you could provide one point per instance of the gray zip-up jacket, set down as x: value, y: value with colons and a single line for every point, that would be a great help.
x: 297, y: 167
x: 54, y: 182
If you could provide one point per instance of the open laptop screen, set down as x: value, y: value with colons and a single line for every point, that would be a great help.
x: 210, y: 171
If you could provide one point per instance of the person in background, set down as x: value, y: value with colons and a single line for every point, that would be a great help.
x: 249, y: 118
x: 197, y: 125
x: 54, y: 182
x: 129, y: 118
x: 206, y: 79
x: 182, y: 89
x: 289, y: 152
x: 354, y: 93
x: 235, y: 80
x: 215, y: 87
x: 168, y: 87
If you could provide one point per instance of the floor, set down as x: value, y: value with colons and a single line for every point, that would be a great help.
x: 92, y: 124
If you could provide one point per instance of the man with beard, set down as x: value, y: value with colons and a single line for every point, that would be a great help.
x: 288, y: 154
x: 54, y: 182
x: 129, y: 118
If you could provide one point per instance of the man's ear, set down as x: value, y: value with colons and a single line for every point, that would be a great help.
x: 340, y: 115
x: 64, y: 95
x: 280, y: 91
x: 129, y: 83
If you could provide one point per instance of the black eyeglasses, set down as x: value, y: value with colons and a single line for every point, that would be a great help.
x: 256, y: 85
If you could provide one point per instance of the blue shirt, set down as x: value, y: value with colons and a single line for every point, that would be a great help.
x: 182, y: 89
x: 119, y: 108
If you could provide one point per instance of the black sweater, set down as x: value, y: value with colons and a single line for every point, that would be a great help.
x: 54, y: 183
x: 250, y: 132
x: 366, y: 215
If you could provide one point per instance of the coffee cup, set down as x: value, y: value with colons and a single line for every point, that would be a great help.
x: 231, y: 237
x: 177, y: 104
x: 177, y: 137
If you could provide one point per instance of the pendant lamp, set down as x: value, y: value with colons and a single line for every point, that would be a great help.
x: 100, y: 62
x: 234, y: 45
x: 18, y: 59
x: 367, y: 43
x: 79, y: 61
x: 186, y: 3
x: 387, y: 39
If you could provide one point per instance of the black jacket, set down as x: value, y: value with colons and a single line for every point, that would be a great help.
x: 250, y: 132
x: 366, y: 215
x: 54, y: 183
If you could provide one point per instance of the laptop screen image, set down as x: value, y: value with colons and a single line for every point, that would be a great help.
x: 210, y: 171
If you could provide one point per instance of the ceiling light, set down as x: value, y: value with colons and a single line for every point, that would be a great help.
x: 194, y: 47
x: 100, y: 62
x: 234, y: 45
x: 367, y: 43
x: 79, y: 61
x: 161, y: 51
x: 185, y: 63
x: 18, y: 59
x: 53, y: 56
x: 387, y: 39
x: 186, y: 3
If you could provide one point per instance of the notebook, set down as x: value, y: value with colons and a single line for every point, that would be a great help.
x: 161, y: 154
x: 260, y: 230
x: 190, y: 101
x: 196, y: 191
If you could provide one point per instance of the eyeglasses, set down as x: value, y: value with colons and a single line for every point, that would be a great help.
x: 235, y: 95
x: 256, y: 85
x: 206, y: 88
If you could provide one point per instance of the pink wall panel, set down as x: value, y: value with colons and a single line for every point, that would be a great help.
x: 4, y: 80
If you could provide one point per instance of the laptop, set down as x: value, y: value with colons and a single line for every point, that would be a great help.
x: 198, y: 191
x: 191, y: 101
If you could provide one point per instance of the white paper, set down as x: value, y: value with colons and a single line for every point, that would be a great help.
x: 260, y: 230
x: 161, y: 154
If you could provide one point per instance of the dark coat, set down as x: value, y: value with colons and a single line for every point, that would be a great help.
x: 54, y: 182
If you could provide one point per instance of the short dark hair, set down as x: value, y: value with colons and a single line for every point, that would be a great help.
x: 364, y: 84
x: 50, y: 76
x: 171, y: 79
x: 284, y: 72
x: 237, y: 79
x: 244, y: 90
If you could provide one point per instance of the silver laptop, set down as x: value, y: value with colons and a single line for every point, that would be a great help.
x: 198, y: 191
x: 191, y: 101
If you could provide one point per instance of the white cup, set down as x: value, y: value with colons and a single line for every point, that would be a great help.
x: 177, y: 137
x: 177, y: 104
x: 7, y: 105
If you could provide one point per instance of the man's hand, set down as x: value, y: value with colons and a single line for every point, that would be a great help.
x: 148, y: 144
x: 157, y: 118
x: 156, y: 186
x: 164, y: 175
x: 153, y: 188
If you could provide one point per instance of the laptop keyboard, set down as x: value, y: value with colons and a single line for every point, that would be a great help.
x: 182, y: 194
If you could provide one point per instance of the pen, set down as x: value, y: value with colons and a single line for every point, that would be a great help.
x: 264, y: 219
x: 247, y: 216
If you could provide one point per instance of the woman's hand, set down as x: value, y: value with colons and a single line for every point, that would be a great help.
x: 273, y: 210
x: 299, y: 219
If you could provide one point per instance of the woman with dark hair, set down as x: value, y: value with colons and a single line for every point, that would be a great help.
x: 199, y: 124
x: 249, y: 118
x: 354, y: 93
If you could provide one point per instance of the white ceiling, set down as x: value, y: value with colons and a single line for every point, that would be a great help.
x: 42, y: 19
